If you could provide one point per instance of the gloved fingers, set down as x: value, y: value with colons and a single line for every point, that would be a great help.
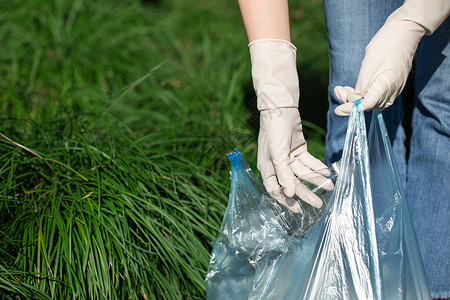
x: 313, y: 163
x: 306, y: 195
x: 284, y: 174
x: 344, y: 110
x: 353, y: 96
x: 276, y: 173
x: 267, y: 170
x: 271, y: 183
x: 310, y: 169
x: 369, y: 102
x: 341, y: 93
x: 277, y: 191
x: 288, y: 202
x: 302, y: 155
x: 381, y: 94
x: 348, y: 96
x: 306, y: 174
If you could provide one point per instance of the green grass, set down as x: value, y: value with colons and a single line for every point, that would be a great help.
x: 114, y: 118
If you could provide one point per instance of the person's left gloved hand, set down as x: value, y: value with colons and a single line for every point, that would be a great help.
x: 389, y: 55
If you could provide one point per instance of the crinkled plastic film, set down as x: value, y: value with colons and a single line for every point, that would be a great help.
x: 360, y: 246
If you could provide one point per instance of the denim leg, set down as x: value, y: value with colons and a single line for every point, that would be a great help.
x: 428, y: 183
x: 351, y: 24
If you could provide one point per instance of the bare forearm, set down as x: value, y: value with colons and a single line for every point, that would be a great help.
x: 265, y: 19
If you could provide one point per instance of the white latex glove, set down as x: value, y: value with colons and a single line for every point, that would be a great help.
x: 390, y: 53
x: 283, y: 158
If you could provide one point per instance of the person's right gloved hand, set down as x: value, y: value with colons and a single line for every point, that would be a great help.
x: 389, y: 55
x: 283, y: 158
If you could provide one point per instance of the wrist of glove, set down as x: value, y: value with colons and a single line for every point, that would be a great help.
x: 274, y: 73
x: 389, y: 55
x: 283, y: 158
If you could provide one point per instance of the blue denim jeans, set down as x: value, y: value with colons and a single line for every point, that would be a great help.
x: 350, y: 26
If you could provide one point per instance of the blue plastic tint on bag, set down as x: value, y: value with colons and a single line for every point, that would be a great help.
x: 362, y: 247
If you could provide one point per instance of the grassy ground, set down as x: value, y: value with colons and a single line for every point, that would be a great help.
x: 114, y: 118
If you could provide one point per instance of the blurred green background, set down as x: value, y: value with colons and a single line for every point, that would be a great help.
x: 115, y: 117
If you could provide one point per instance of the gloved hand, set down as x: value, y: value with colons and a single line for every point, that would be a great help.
x: 283, y: 158
x: 390, y: 53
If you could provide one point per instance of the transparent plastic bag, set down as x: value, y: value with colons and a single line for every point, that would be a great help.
x: 363, y: 246
x: 259, y: 239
